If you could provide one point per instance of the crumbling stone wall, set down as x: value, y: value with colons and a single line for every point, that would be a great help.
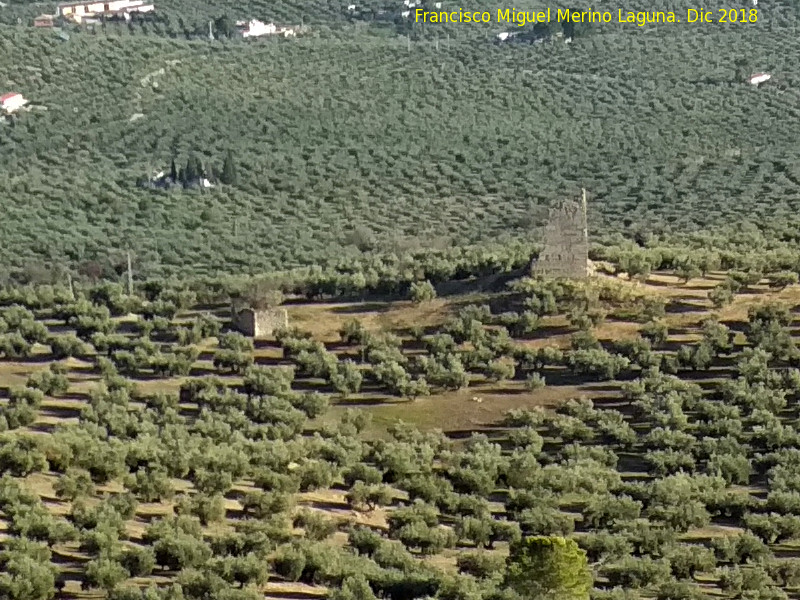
x: 260, y: 323
x: 566, y: 242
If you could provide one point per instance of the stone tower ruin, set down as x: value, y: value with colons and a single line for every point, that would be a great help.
x: 566, y: 242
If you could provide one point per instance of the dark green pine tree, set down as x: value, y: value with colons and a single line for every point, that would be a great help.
x: 191, y: 172
x: 548, y: 568
x: 229, y: 175
x: 173, y: 171
x: 742, y: 69
x: 568, y: 28
x: 224, y: 26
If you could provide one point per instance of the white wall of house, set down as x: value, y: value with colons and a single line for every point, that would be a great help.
x: 14, y: 103
x: 116, y: 5
x: 256, y: 28
x: 90, y: 8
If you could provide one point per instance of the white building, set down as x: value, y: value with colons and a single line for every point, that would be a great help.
x: 12, y: 102
x: 759, y: 78
x: 77, y: 11
x: 256, y: 28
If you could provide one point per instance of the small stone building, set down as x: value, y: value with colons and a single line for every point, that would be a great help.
x: 566, y: 242
x: 44, y: 21
x: 259, y: 323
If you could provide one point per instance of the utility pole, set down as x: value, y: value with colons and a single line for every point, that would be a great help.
x: 130, y: 275
x: 69, y: 285
x: 585, y: 221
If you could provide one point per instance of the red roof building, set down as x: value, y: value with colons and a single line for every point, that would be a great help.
x: 43, y: 21
x: 12, y: 101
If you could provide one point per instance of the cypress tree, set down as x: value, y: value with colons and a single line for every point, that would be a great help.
x: 229, y: 175
x: 190, y: 173
x: 742, y: 69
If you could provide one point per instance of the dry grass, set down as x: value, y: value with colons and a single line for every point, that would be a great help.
x: 325, y: 320
x: 459, y: 410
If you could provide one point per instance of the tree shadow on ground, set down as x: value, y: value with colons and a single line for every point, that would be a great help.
x: 684, y: 307
x: 363, y: 307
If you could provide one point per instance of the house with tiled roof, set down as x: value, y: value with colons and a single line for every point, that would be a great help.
x: 12, y: 102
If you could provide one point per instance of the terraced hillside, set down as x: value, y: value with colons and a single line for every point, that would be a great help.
x: 146, y: 446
